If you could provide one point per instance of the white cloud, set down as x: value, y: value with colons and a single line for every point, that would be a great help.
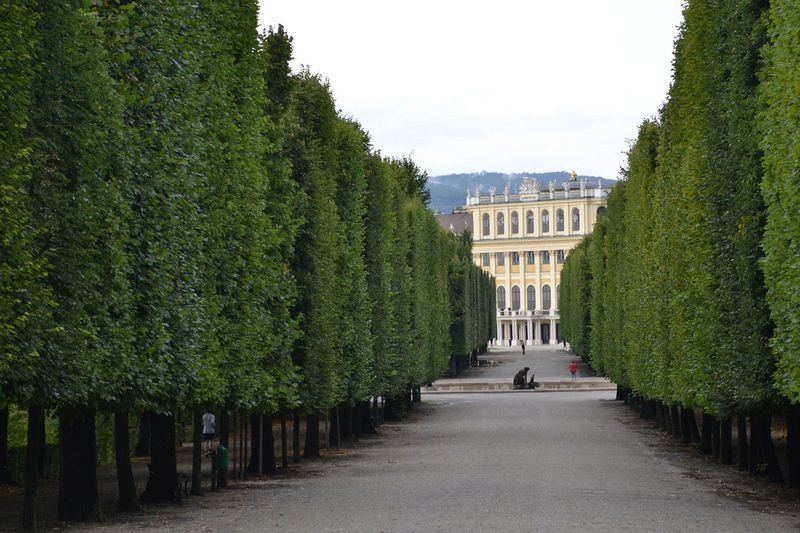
x: 504, y: 85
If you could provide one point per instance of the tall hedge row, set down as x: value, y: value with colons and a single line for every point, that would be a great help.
x: 187, y: 225
x: 694, y: 295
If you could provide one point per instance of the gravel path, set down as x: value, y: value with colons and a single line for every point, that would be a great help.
x: 561, y: 462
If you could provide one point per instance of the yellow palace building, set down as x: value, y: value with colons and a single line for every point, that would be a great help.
x: 522, y: 239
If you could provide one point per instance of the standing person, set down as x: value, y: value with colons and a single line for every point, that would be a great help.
x: 523, y: 346
x: 573, y: 369
x: 209, y: 428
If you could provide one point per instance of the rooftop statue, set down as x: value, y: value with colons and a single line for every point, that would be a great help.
x: 528, y: 186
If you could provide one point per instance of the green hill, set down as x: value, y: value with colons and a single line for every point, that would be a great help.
x: 449, y: 191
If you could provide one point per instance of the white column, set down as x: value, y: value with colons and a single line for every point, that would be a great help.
x: 553, y: 331
x: 514, y: 332
x: 531, y: 331
x: 499, y: 331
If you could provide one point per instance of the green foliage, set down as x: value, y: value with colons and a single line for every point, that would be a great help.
x: 354, y: 338
x: 778, y: 126
x: 24, y: 300
x: 678, y: 307
x: 576, y: 301
x: 80, y: 209
x: 185, y: 223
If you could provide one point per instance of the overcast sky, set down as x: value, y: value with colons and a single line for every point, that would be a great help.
x: 501, y: 85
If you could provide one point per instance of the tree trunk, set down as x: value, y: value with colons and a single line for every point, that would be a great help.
x: 334, y: 439
x: 774, y: 474
x: 31, y: 469
x: 365, y: 415
x: 268, y: 447
x: 664, y: 410
x: 346, y: 423
x: 755, y: 458
x: 622, y: 394
x: 715, y: 438
x: 143, y: 436
x: 284, y: 442
x: 122, y: 456
x: 5, y: 474
x: 41, y: 445
x: 686, y: 435
x: 793, y: 446
x: 296, y: 437
x: 77, y: 487
x: 674, y: 415
x: 256, y: 461
x: 705, y: 440
x: 691, y: 423
x: 725, y: 442
x: 224, y: 440
x: 243, y: 431
x: 376, y: 415
x: 197, y: 451
x: 163, y: 479
x: 311, y: 450
x: 741, y: 437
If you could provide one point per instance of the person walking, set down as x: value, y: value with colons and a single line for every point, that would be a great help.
x: 573, y: 370
x: 209, y: 429
x: 523, y: 346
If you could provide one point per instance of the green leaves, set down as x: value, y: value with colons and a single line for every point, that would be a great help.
x: 678, y: 308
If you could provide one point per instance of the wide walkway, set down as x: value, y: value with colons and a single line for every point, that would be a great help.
x: 560, y: 462
x: 497, y: 368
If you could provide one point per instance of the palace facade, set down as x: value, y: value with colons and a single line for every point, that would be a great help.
x: 522, y: 238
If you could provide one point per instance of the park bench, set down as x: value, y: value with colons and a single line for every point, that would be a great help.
x: 181, y: 483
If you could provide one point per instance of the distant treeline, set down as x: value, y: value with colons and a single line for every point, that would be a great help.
x: 185, y: 224
x: 686, y: 294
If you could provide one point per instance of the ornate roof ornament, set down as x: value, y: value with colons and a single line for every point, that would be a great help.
x: 492, y: 190
x: 573, y: 176
x: 528, y: 186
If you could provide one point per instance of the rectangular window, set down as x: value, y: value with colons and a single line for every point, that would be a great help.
x: 485, y: 260
x: 530, y: 258
x: 560, y: 257
x: 515, y: 258
x: 500, y: 258
x: 545, y: 257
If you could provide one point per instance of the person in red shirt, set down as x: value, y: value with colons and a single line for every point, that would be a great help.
x: 573, y: 369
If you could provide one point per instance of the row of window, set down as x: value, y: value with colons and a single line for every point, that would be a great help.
x: 529, y: 222
x: 530, y: 258
x: 531, y: 297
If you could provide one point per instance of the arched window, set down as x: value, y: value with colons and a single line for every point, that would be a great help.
x: 560, y: 220
x: 601, y: 210
x: 501, y: 297
x: 486, y: 222
x: 531, y: 297
x: 546, y: 297
x: 514, y: 222
x: 545, y: 221
x: 576, y: 219
x: 529, y: 222
x: 501, y: 223
x: 515, y: 298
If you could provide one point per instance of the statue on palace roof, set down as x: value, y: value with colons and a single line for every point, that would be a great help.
x: 528, y: 186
